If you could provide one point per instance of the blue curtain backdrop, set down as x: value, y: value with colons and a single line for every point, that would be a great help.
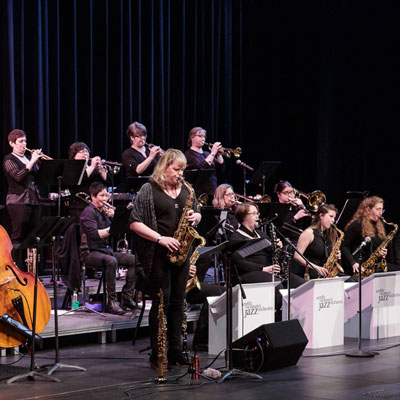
x: 313, y: 84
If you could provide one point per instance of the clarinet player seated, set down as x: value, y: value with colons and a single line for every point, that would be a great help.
x: 256, y: 267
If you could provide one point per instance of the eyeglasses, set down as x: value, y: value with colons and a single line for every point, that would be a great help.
x: 229, y: 194
x: 254, y: 213
x: 287, y: 192
x: 140, y: 136
x: 201, y: 136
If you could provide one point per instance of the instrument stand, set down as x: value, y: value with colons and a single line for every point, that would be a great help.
x: 265, y: 171
x: 34, y: 371
x: 360, y: 352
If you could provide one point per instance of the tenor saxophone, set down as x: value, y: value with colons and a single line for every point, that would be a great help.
x: 183, y: 234
x: 194, y: 282
x: 368, y: 266
x: 332, y: 263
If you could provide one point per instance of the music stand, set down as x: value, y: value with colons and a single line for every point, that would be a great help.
x: 132, y: 184
x: 197, y: 177
x: 120, y: 220
x: 350, y: 207
x: 39, y: 234
x: 228, y: 248
x: 209, y: 220
x: 62, y: 223
x: 264, y: 172
x: 55, y: 172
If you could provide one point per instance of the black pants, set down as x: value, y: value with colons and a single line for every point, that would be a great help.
x: 171, y: 279
x: 109, y: 263
x: 24, y: 218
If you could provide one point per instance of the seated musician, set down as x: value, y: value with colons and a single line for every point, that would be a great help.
x: 95, y: 172
x: 224, y: 198
x: 256, y: 267
x: 316, y: 244
x: 366, y: 222
x: 95, y: 223
x: 297, y: 216
x: 139, y: 159
x: 199, y: 296
x: 23, y: 196
x: 199, y: 159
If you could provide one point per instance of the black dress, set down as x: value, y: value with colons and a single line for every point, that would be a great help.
x: 131, y: 158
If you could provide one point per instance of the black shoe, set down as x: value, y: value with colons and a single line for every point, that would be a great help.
x: 114, y: 308
x: 129, y: 303
x: 178, y: 358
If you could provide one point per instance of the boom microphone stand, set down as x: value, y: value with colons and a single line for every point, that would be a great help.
x: 360, y: 352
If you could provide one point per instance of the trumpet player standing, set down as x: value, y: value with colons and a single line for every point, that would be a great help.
x: 198, y: 159
x: 22, y: 196
x: 139, y: 159
x: 95, y: 224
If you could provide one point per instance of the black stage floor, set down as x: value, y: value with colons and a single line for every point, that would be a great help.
x: 119, y: 371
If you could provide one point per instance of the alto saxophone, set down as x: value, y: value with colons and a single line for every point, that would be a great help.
x: 332, y: 263
x: 184, y: 233
x: 369, y: 265
x: 162, y: 363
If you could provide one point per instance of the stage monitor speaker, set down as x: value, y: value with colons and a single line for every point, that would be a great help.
x: 270, y: 346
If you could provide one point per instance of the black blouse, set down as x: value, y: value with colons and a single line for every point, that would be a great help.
x: 131, y: 158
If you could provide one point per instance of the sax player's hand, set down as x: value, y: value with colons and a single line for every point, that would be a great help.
x: 192, y: 271
x: 356, y: 268
x: 339, y: 255
x: 193, y: 218
x: 322, y: 270
x: 383, y: 253
x: 275, y: 268
x: 169, y: 242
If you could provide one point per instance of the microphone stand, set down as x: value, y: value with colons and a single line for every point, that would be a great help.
x: 360, y: 352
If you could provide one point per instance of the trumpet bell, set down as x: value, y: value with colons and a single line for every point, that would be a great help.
x: 237, y: 152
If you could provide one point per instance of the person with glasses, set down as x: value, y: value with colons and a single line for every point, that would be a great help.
x: 224, y: 198
x: 139, y: 159
x: 297, y: 215
x: 365, y: 222
x: 256, y: 267
x: 211, y: 162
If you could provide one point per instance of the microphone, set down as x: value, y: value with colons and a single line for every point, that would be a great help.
x: 244, y: 165
x: 366, y: 240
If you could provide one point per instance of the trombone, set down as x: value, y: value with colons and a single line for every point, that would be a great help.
x: 226, y: 151
x: 264, y: 199
x: 315, y: 199
x: 86, y: 198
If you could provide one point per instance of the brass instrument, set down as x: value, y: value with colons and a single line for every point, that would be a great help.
x: 123, y: 245
x: 113, y: 167
x: 194, y: 282
x: 162, y: 363
x: 369, y: 264
x: 42, y: 156
x: 184, y: 233
x: 202, y: 200
x: 332, y: 263
x: 86, y: 198
x: 264, y: 199
x: 151, y: 145
x: 315, y: 199
x: 226, y: 151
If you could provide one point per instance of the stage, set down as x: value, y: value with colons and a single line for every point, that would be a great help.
x: 119, y: 371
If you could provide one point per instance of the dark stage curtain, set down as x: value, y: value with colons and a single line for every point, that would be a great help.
x: 313, y: 84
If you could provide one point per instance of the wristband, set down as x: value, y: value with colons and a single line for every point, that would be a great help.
x: 158, y: 239
x: 108, y: 230
x: 212, y: 154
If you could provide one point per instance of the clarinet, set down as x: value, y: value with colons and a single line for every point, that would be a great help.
x: 276, y: 251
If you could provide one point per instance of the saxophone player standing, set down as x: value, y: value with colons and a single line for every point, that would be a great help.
x: 155, y: 216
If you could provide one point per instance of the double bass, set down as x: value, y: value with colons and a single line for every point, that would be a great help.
x: 17, y: 296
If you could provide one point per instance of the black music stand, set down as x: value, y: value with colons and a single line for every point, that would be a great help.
x: 197, y: 177
x: 209, y: 220
x: 57, y: 172
x: 41, y: 234
x: 228, y: 248
x: 264, y: 172
x: 132, y: 184
x: 61, y: 224
x: 350, y: 207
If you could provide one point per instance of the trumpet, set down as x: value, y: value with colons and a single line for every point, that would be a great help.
x: 42, y: 156
x: 226, y: 151
x: 315, y: 199
x: 151, y: 145
x: 86, y: 198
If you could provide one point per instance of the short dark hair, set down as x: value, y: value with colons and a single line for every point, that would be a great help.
x: 15, y: 134
x: 135, y: 129
x: 75, y: 148
x: 242, y: 210
x: 95, y: 188
x: 281, y: 186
